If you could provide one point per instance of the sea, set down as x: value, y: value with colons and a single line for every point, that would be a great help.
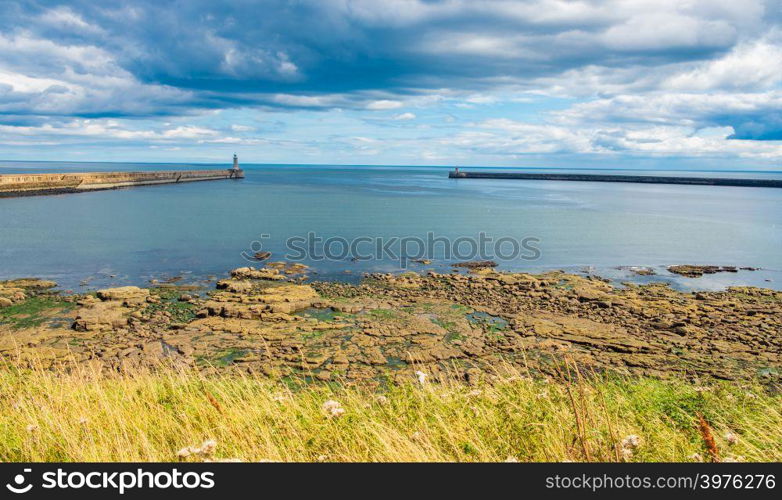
x: 344, y: 221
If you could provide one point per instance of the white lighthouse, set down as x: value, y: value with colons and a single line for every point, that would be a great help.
x: 236, y: 172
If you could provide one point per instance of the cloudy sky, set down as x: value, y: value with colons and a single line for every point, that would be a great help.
x: 425, y: 82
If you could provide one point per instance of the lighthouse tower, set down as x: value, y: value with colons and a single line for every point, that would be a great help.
x: 236, y: 172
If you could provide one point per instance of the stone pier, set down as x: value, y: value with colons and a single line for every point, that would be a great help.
x: 40, y: 184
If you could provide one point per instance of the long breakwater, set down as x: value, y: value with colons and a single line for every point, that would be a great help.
x: 643, y: 179
x: 54, y: 183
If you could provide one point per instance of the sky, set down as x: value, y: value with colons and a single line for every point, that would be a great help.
x: 635, y: 83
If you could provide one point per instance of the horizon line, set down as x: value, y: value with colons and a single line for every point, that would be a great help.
x: 392, y: 165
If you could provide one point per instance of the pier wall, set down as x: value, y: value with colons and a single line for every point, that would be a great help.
x: 643, y: 179
x: 34, y: 184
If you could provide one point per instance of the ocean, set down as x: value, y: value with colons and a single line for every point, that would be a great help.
x: 199, y: 231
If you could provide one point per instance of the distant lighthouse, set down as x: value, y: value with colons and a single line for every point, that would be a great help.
x: 236, y: 172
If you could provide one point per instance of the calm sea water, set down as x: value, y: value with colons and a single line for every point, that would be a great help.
x: 195, y: 230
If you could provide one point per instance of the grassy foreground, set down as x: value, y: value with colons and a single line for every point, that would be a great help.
x: 174, y: 415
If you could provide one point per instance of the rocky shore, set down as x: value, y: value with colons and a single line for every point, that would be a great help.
x: 460, y: 324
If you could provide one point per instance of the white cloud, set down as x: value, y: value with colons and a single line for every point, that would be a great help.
x: 672, y: 108
x: 108, y: 129
x: 306, y: 101
x: 19, y: 82
x: 242, y: 128
x: 252, y: 62
x: 513, y: 138
x: 404, y: 116
x: 383, y: 104
x: 56, y: 79
x: 189, y: 132
x: 750, y: 65
x: 666, y: 29
x: 460, y: 43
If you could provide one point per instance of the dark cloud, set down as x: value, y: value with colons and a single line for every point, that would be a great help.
x: 220, y: 49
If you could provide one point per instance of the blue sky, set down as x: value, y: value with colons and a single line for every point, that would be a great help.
x: 425, y: 82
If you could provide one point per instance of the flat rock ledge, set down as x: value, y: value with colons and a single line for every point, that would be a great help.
x: 388, y: 327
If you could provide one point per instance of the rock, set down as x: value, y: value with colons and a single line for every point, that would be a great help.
x: 101, y: 316
x: 445, y: 325
x: 475, y: 264
x: 296, y: 268
x: 29, y: 283
x: 340, y: 359
x: 257, y: 274
x: 375, y: 356
x: 236, y: 286
x: 154, y: 349
x: 473, y: 376
x: 130, y: 295
x: 690, y: 271
x: 262, y: 255
x: 587, y: 294
x: 639, y: 270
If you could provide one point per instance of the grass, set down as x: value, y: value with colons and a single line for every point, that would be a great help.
x: 149, y: 416
x: 33, y: 311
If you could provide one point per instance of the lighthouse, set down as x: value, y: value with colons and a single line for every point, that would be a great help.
x: 236, y: 172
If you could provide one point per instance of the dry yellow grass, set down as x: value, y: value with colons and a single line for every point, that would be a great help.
x: 148, y: 416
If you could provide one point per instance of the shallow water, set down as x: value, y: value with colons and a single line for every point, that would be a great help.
x: 195, y: 230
